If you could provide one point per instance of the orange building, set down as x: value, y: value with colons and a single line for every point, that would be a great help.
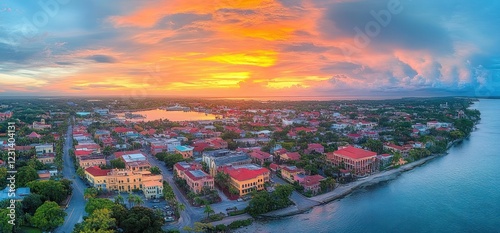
x: 246, y: 178
x: 354, y: 159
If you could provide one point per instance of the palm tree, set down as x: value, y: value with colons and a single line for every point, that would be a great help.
x: 138, y: 200
x: 119, y: 199
x: 208, y: 210
x: 131, y: 199
x: 181, y: 207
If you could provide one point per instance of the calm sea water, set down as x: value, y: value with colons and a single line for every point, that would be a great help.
x: 459, y: 192
x: 157, y: 114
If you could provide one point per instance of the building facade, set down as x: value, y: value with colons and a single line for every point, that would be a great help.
x: 354, y: 159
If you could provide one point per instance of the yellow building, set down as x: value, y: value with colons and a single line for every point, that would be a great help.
x: 152, y: 189
x: 289, y: 172
x: 47, y: 158
x: 120, y: 179
x: 97, y: 177
x: 90, y: 161
x: 247, y: 178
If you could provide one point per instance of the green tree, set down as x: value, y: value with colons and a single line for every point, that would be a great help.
x: 80, y: 172
x: 31, y: 202
x: 375, y: 146
x: 90, y: 193
x: 208, y: 210
x: 119, y: 199
x: 3, y: 177
x: 26, y: 174
x: 155, y: 170
x: 117, y: 163
x: 48, y: 216
x: 230, y: 135
x: 99, y: 221
x: 140, y: 220
x: 98, y: 203
x: 222, y: 179
x: 50, y: 190
x: 5, y: 226
x: 172, y: 159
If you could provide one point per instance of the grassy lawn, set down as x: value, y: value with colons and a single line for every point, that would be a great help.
x: 30, y: 230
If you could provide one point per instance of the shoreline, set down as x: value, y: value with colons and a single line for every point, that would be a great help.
x: 344, y: 190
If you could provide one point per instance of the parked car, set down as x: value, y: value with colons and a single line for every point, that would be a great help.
x: 232, y: 209
x: 155, y: 207
x: 169, y: 212
x: 169, y: 219
x: 240, y: 199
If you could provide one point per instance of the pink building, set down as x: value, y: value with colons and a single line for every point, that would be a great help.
x: 195, y: 178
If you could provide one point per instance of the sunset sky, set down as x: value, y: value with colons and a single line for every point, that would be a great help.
x: 250, y: 47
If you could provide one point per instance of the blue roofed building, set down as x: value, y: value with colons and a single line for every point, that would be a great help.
x: 19, y: 196
x: 185, y: 151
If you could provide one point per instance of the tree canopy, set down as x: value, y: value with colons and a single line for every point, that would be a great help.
x: 48, y: 216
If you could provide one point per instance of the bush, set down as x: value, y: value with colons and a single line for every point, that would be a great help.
x: 220, y: 228
x: 240, y: 223
x: 237, y: 212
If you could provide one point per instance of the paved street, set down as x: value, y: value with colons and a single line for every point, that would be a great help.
x: 190, y: 214
x: 300, y: 200
x: 76, y: 207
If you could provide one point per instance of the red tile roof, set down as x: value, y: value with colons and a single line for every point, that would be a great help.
x: 82, y: 152
x: 122, y: 129
x: 293, y: 155
x: 315, y: 146
x: 355, y: 153
x: 261, y: 155
x: 312, y: 180
x: 97, y: 171
x: 242, y: 174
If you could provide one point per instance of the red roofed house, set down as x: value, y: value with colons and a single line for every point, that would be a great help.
x: 247, y: 178
x: 34, y: 135
x: 295, y: 156
x: 97, y: 177
x: 195, y: 178
x: 314, y: 147
x: 260, y: 157
x: 395, y: 148
x: 274, y: 167
x: 79, y: 153
x: 310, y: 183
x: 354, y: 159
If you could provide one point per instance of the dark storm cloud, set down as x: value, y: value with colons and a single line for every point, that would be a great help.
x: 407, y: 29
x: 102, y: 58
x: 177, y: 21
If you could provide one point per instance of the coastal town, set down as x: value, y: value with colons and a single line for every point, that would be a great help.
x: 212, y: 165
